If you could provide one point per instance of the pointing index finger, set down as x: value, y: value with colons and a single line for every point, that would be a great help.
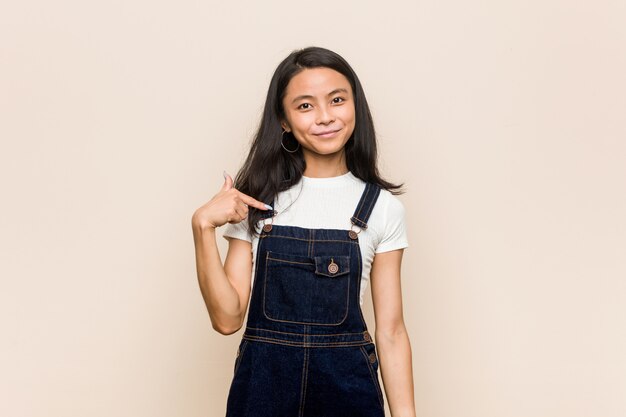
x: 255, y: 203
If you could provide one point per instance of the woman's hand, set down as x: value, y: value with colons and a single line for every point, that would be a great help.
x: 229, y: 205
x: 225, y: 290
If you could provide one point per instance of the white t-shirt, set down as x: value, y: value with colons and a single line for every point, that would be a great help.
x: 329, y: 203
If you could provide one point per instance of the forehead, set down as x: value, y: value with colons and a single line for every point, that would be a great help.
x: 316, y: 81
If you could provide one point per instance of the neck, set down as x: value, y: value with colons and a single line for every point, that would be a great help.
x: 330, y: 166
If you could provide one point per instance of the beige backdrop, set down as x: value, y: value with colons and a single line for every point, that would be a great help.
x: 505, y: 119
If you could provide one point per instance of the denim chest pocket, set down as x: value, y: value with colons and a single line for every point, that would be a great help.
x: 306, y: 290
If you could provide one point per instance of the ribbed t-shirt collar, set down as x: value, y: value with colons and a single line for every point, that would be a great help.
x: 339, y: 180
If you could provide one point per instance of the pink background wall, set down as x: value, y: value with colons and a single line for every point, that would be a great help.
x: 505, y: 119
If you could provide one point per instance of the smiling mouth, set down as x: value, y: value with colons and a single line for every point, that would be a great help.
x: 327, y: 134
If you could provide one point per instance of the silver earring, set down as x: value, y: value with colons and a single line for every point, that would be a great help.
x: 282, y: 138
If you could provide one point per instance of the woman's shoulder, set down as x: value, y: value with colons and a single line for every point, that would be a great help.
x: 389, y: 204
x: 389, y: 222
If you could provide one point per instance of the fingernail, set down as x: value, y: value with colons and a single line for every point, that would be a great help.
x: 267, y: 206
x: 225, y: 174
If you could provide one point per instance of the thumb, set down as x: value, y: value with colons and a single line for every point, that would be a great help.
x: 228, y: 182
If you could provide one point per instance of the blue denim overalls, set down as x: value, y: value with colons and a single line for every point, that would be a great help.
x: 306, y: 351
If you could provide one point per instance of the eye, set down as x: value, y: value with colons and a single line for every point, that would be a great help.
x: 304, y: 106
x: 337, y: 100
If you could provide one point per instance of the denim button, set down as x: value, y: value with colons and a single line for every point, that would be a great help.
x: 372, y: 357
x: 332, y: 267
x: 267, y: 228
x: 367, y: 336
x: 353, y: 235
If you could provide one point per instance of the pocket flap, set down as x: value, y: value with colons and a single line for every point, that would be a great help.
x: 332, y: 266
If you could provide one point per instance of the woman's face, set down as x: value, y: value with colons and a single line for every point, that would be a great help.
x: 319, y: 111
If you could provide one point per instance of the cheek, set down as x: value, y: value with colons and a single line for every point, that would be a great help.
x: 349, y: 118
x: 347, y: 113
x: 303, y: 122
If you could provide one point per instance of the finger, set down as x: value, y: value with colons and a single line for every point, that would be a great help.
x: 228, y: 182
x: 236, y: 214
x: 254, y: 203
x: 241, y: 213
x: 244, y: 209
x: 241, y: 209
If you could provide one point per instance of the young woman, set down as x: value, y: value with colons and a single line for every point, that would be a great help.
x: 310, y: 224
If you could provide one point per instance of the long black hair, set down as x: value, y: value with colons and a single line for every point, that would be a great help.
x: 269, y: 169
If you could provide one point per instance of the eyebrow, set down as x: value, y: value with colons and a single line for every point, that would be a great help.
x: 308, y: 96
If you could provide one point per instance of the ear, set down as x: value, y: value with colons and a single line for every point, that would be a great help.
x: 285, y: 126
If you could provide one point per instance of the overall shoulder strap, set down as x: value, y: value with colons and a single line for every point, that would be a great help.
x: 365, y: 206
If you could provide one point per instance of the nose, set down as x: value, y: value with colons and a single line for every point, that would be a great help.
x: 324, y: 116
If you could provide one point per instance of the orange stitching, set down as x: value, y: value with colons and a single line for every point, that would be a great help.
x: 313, y: 335
x: 305, y: 377
x: 374, y: 376
x: 289, y: 257
x: 317, y: 240
x: 371, y: 206
x: 306, y: 322
x: 362, y: 205
x: 265, y: 284
x: 343, y: 260
x: 292, y: 262
x: 363, y: 199
x: 358, y: 293
x: 310, y: 344
x: 366, y: 199
x: 265, y: 313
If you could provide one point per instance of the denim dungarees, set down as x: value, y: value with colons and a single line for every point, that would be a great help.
x: 306, y: 351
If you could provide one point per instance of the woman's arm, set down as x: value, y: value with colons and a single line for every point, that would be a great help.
x: 225, y: 289
x: 391, y: 336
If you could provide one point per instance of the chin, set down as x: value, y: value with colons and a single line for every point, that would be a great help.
x: 327, y: 150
